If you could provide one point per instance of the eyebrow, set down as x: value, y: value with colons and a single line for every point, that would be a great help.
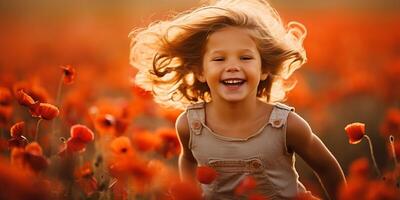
x: 223, y: 51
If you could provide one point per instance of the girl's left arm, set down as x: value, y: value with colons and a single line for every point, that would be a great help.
x: 301, y: 140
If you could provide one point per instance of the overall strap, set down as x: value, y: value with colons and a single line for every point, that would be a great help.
x: 279, y: 115
x: 196, y: 118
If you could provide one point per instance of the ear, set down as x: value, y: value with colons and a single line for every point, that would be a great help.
x: 200, y: 77
x: 264, y: 76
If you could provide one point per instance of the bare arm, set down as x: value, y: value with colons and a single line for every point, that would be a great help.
x: 187, y: 163
x: 310, y: 148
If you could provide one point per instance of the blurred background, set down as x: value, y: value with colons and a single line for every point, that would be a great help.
x: 352, y: 73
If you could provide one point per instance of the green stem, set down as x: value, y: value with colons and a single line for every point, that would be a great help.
x: 371, y: 150
x: 60, y: 84
x: 37, y: 129
x: 53, y: 123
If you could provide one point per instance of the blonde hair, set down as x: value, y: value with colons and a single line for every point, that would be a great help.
x: 168, y: 54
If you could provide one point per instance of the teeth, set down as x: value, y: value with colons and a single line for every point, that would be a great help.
x: 233, y: 81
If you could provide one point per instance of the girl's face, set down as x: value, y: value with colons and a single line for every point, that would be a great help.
x: 232, y: 65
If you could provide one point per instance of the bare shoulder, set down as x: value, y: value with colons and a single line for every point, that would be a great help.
x: 298, y: 132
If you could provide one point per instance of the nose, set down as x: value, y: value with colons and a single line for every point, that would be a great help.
x: 233, y: 68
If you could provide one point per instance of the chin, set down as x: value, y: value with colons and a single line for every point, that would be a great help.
x: 233, y: 99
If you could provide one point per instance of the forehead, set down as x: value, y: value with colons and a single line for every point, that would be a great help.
x: 230, y: 39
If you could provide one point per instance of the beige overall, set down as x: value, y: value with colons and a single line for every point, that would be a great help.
x: 262, y: 155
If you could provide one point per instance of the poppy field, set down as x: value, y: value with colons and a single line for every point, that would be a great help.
x: 74, y: 125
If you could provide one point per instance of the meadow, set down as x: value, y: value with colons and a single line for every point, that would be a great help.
x: 75, y: 126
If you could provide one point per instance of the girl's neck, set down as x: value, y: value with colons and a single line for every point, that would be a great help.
x: 233, y: 112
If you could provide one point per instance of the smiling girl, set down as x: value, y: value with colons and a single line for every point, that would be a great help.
x: 226, y: 63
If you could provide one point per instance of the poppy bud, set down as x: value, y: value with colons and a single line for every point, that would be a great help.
x: 69, y: 74
x: 17, y: 129
x: 48, y: 111
x: 355, y: 132
x: 24, y: 99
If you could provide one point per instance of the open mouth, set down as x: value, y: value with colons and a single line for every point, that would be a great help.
x: 233, y: 82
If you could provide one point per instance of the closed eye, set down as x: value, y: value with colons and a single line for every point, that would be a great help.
x: 246, y: 58
x: 218, y: 59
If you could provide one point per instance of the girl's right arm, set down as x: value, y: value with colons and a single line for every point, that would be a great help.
x: 187, y: 163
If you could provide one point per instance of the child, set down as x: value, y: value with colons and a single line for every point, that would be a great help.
x: 226, y: 64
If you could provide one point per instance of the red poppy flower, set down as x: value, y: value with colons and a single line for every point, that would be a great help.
x: 30, y: 157
x: 17, y: 129
x: 34, y: 148
x: 69, y: 74
x: 359, y: 168
x: 146, y: 141
x: 80, y: 137
x: 121, y: 145
x: 247, y: 185
x: 44, y: 110
x: 355, y: 132
x: 82, y: 132
x: 33, y: 89
x: 391, y: 123
x: 355, y: 189
x: 24, y: 99
x: 104, y: 122
x: 5, y: 96
x: 75, y: 145
x: 205, y: 174
x: 170, y: 145
x: 48, y: 111
x: 110, y: 117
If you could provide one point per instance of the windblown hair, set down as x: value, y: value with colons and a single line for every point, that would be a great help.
x: 169, y: 54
